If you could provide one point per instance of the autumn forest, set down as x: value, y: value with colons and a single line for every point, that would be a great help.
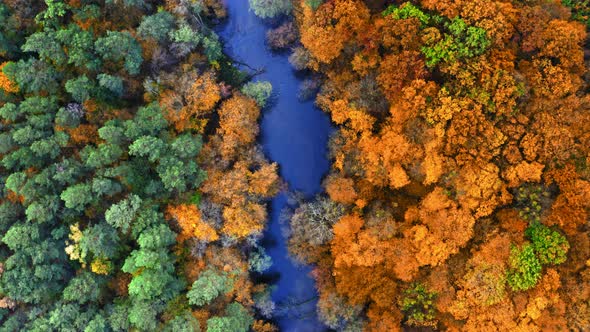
x: 137, y: 176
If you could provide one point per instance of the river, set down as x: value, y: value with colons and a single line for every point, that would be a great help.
x: 295, y: 135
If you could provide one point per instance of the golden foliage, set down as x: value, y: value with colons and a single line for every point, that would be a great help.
x: 189, y: 219
x: 6, y: 84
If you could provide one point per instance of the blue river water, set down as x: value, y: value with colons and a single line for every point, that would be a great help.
x: 295, y: 135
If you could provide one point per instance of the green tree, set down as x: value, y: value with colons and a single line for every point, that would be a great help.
x: 183, y: 323
x: 525, y: 268
x: 120, y: 46
x: 237, y: 319
x: 270, y: 8
x: 83, y: 288
x: 208, y: 287
x: 156, y: 26
x: 80, y: 88
x: 550, y: 246
x: 47, y: 46
x: 113, y: 84
x: 33, y: 76
x: 80, y: 46
x: 259, y: 91
x: 77, y: 197
x: 121, y: 215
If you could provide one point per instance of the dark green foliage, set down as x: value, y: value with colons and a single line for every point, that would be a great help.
x: 10, y: 34
x: 80, y: 46
x: 51, y: 17
x: 183, y: 323
x: 100, y: 240
x: 580, y: 10
x: 314, y: 4
x: 156, y: 26
x: 102, y: 197
x: 113, y: 84
x: 47, y: 46
x: 80, y: 88
x: 35, y: 273
x: 83, y: 288
x: 418, y: 305
x: 120, y: 46
x: 142, y: 315
x: 33, y: 76
x: 237, y: 319
x: 525, y: 268
x: 77, y: 197
x: 550, y: 246
x: 529, y: 201
x: 212, y: 47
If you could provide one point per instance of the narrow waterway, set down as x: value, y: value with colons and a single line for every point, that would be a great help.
x: 295, y: 135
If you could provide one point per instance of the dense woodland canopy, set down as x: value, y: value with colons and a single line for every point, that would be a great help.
x: 133, y: 191
x: 460, y: 186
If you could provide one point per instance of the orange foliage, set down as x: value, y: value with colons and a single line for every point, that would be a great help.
x: 187, y: 113
x: 432, y: 157
x: 84, y: 134
x: 189, y: 219
x: 5, y: 84
x: 237, y: 127
x: 241, y: 221
x: 341, y: 189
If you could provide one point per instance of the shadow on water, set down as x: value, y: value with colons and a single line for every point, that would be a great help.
x: 295, y: 135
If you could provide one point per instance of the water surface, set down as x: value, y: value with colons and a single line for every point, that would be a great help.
x: 294, y: 134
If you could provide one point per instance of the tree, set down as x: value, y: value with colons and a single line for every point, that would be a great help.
x: 80, y: 88
x: 77, y: 197
x: 525, y: 268
x: 5, y: 83
x: 113, y: 84
x: 208, y: 287
x: 156, y: 26
x: 120, y: 46
x: 33, y: 76
x: 259, y: 91
x: 270, y: 8
x: 83, y: 288
x: 238, y: 319
x: 121, y: 215
x: 190, y: 221
x: 549, y: 246
x: 238, y: 117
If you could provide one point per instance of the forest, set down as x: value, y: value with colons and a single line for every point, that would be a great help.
x: 459, y: 191
x: 135, y: 187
